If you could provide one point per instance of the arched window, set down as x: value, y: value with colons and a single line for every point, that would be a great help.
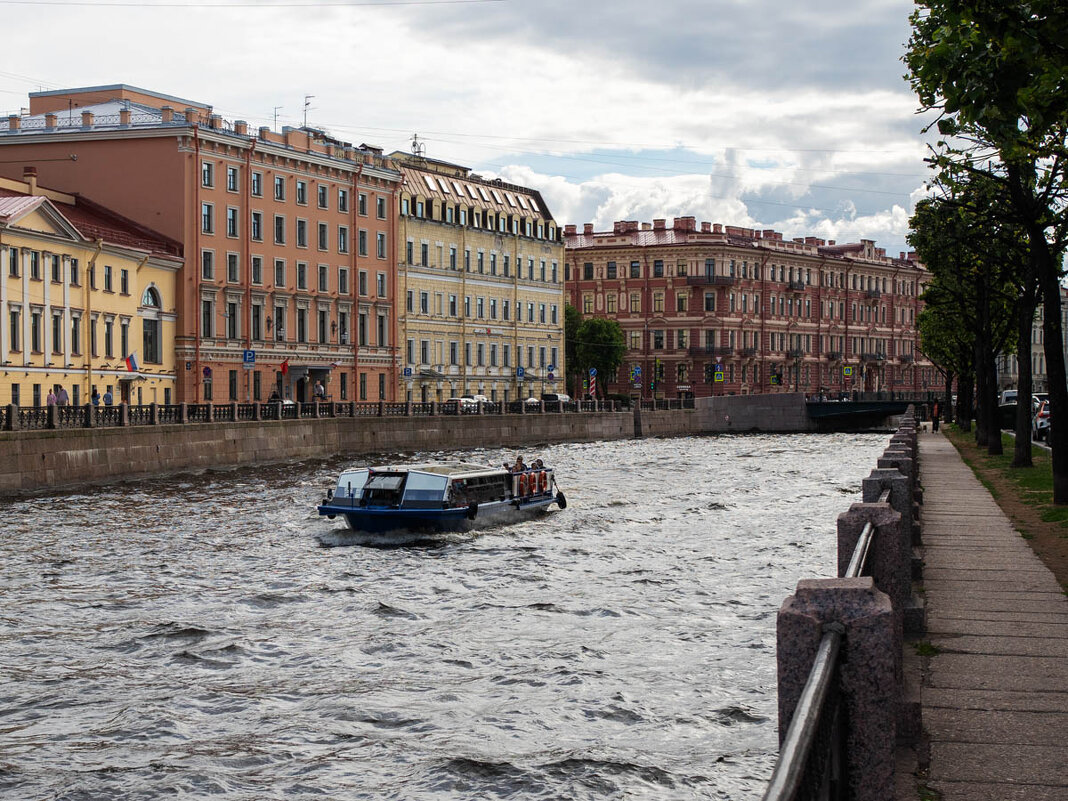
x: 151, y: 298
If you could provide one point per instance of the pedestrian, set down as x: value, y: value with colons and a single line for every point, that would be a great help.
x: 935, y: 413
x: 95, y: 397
x: 62, y: 398
x: 320, y: 391
x: 107, y: 397
x: 51, y: 399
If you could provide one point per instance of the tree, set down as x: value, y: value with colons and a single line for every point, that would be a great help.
x: 995, y: 72
x: 599, y: 343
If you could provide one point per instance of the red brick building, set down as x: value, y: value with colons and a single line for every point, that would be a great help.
x: 288, y: 237
x: 713, y: 309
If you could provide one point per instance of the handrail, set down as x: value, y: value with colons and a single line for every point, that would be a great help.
x: 793, y: 764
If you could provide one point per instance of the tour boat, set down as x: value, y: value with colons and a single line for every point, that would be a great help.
x: 440, y: 496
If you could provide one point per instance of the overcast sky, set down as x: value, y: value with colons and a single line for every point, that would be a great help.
x: 787, y: 115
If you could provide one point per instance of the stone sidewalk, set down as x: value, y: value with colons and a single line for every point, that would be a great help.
x: 995, y: 695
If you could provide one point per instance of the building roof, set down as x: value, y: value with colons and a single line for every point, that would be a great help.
x: 92, y: 221
x: 105, y: 115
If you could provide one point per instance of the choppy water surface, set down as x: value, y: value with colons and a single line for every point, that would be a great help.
x: 196, y: 636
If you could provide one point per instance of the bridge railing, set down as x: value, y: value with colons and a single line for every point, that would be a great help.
x: 837, y: 743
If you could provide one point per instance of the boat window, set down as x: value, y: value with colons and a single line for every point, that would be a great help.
x: 425, y: 489
x: 353, y: 480
x: 385, y: 482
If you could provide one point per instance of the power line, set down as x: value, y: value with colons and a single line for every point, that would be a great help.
x: 238, y: 4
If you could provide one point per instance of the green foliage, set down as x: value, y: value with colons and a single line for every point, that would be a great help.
x: 599, y: 343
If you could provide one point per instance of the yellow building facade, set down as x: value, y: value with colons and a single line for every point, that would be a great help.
x: 87, y: 299
x: 480, y: 272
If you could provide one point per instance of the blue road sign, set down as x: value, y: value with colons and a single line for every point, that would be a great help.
x: 519, y: 372
x: 248, y: 357
x: 407, y: 372
x: 593, y: 372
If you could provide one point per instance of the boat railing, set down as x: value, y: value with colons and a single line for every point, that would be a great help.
x: 28, y: 418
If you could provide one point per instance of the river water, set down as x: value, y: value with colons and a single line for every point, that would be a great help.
x: 210, y: 637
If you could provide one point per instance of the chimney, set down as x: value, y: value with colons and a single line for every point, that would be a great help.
x: 830, y: 241
x: 167, y: 114
x: 215, y: 121
x: 717, y: 228
x: 50, y: 120
x: 571, y: 230
x: 659, y: 225
x: 647, y: 226
x: 192, y: 116
x: 29, y: 175
x: 124, y: 116
x: 14, y: 122
x: 617, y: 227
x: 706, y: 228
x: 240, y: 127
x: 587, y: 229
x: 264, y: 131
x: 87, y: 119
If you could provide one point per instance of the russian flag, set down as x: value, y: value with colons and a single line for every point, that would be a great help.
x: 131, y: 362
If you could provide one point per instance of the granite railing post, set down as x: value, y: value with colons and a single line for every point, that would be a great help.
x: 433, y: 408
x: 124, y: 414
x: 53, y: 416
x: 381, y: 408
x: 257, y: 411
x: 211, y: 412
x: 522, y: 406
x: 478, y: 408
x: 183, y: 413
x: 316, y: 410
x: 12, y: 417
x: 153, y: 413
x: 88, y: 420
x: 407, y: 408
x: 867, y: 672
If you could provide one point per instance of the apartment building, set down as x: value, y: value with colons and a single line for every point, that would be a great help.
x: 287, y: 236
x: 1009, y: 368
x: 713, y: 309
x: 480, y: 271
x: 83, y: 290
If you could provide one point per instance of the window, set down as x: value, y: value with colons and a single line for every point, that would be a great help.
x: 124, y: 281
x: 302, y: 325
x: 13, y: 263
x: 207, y: 265
x: 207, y: 174
x: 302, y: 193
x: 381, y: 250
x: 279, y: 187
x: 279, y: 272
x: 363, y: 283
x: 361, y: 204
x: 257, y: 226
x: 343, y: 280
x: 231, y: 221
x: 381, y: 204
x: 302, y: 275
x: 342, y: 200
x: 324, y: 196
x: 710, y: 301
x: 658, y: 339
x: 587, y: 304
x: 452, y: 257
x: 257, y: 184
x: 279, y: 229
x: 257, y: 269
x: 324, y: 279
x: 635, y: 303
x: 109, y: 338
x: 658, y: 268
x: 207, y: 318
x: 342, y: 239
x: 257, y: 323
x: 231, y: 320
x: 362, y: 242
x: 587, y: 271
x: 324, y: 236
x: 57, y: 270
x: 658, y: 302
x: 207, y: 218
x: 424, y: 303
x: 108, y: 272
x: 680, y: 301
x: 381, y: 285
x: 231, y: 179
x: 610, y: 303
x: 231, y: 268
x: 302, y: 233
x: 635, y: 269
x: 324, y: 325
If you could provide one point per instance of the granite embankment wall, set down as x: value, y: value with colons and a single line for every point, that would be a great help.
x: 39, y: 460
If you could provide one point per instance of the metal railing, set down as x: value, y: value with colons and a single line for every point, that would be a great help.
x: 16, y: 418
x: 667, y: 404
x: 811, y: 763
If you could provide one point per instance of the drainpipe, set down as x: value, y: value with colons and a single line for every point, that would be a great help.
x: 354, y: 238
x: 763, y: 317
x: 196, y: 265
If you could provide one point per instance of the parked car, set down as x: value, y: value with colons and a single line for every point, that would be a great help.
x: 554, y: 396
x: 1040, y: 422
x: 1008, y: 396
x: 463, y: 404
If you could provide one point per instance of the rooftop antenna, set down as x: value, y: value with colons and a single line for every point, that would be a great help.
x: 276, y: 110
x: 418, y: 148
x: 307, y: 103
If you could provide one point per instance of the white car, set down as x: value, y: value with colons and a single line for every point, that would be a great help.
x: 465, y: 402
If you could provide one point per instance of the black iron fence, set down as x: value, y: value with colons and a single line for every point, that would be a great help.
x: 17, y: 418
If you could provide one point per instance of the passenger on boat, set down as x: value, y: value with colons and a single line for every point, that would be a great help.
x: 519, y: 465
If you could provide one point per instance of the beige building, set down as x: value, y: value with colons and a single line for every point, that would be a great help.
x: 480, y: 271
x: 83, y: 290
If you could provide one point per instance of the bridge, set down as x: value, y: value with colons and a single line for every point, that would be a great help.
x: 854, y: 415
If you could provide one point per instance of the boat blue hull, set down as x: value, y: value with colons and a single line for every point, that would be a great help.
x: 381, y: 520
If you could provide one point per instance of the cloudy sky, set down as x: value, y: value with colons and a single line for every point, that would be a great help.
x: 761, y: 113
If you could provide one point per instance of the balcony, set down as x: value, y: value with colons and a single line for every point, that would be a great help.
x: 748, y: 351
x: 706, y: 351
x: 796, y: 286
x: 709, y: 280
x: 873, y: 293
x: 873, y: 357
x: 795, y: 353
x: 907, y: 358
x: 834, y: 355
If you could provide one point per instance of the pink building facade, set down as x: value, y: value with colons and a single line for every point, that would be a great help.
x: 711, y: 310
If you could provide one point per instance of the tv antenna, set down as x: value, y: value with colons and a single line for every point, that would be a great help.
x: 276, y: 110
x: 307, y: 105
x: 418, y: 148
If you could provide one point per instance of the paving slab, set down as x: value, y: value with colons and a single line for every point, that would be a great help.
x: 995, y: 693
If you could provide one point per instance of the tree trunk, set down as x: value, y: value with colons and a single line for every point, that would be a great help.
x: 1055, y: 371
x: 1025, y: 319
